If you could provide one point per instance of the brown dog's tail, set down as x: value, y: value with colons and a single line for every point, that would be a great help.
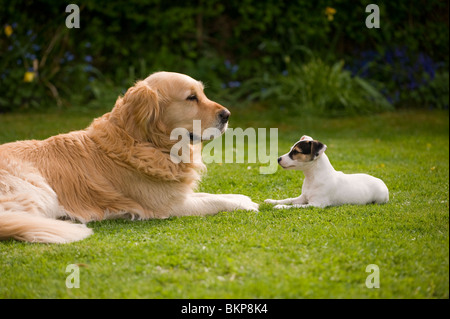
x: 38, y: 229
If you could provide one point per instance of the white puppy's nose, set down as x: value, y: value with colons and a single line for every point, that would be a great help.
x: 279, y: 159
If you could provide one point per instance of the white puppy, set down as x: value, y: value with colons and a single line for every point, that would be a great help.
x: 323, y: 185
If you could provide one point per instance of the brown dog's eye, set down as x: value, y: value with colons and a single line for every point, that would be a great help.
x: 192, y: 97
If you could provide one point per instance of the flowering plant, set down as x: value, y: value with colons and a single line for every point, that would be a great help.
x: 403, y: 77
x: 35, y: 70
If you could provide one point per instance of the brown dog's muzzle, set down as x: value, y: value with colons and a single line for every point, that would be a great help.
x: 224, y: 115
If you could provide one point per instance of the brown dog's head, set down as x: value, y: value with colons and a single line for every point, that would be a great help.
x: 165, y: 101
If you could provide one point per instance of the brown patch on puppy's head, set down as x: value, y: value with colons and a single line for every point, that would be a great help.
x: 302, y: 154
x: 306, y: 150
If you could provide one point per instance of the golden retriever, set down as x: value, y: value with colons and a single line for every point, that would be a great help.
x: 119, y: 166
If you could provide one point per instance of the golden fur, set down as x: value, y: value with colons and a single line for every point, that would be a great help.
x: 119, y: 166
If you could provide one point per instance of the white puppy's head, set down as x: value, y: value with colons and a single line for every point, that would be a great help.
x: 304, y: 152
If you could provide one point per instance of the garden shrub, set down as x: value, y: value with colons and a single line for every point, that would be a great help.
x: 415, y: 79
x: 317, y: 88
x: 223, y: 43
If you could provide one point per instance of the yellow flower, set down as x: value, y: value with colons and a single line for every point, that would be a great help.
x: 330, y: 12
x: 8, y: 30
x: 29, y: 76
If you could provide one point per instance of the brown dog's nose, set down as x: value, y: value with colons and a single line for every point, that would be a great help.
x: 224, y: 116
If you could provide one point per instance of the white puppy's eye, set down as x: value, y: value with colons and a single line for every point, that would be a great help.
x: 192, y: 97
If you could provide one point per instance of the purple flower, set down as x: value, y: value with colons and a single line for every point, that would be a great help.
x: 427, y: 64
x: 369, y: 55
x: 398, y: 52
x: 88, y: 58
x: 69, y: 56
x: 234, y: 84
x: 388, y: 57
x: 30, y: 56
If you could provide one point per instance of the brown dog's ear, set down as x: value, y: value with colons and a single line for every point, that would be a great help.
x: 317, y: 149
x: 142, y: 103
x: 138, y: 111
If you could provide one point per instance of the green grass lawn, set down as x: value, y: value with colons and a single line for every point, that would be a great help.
x: 298, y: 253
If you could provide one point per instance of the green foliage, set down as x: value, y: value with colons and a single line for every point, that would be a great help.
x: 36, y: 74
x: 435, y: 94
x: 415, y: 79
x: 122, y: 41
x: 316, y: 88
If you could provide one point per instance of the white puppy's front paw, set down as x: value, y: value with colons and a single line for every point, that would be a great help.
x: 282, y: 206
x: 270, y: 201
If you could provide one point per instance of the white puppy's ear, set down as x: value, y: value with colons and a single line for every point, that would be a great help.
x: 306, y: 138
x: 317, y: 149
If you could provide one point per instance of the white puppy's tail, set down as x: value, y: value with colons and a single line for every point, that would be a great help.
x: 34, y: 228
